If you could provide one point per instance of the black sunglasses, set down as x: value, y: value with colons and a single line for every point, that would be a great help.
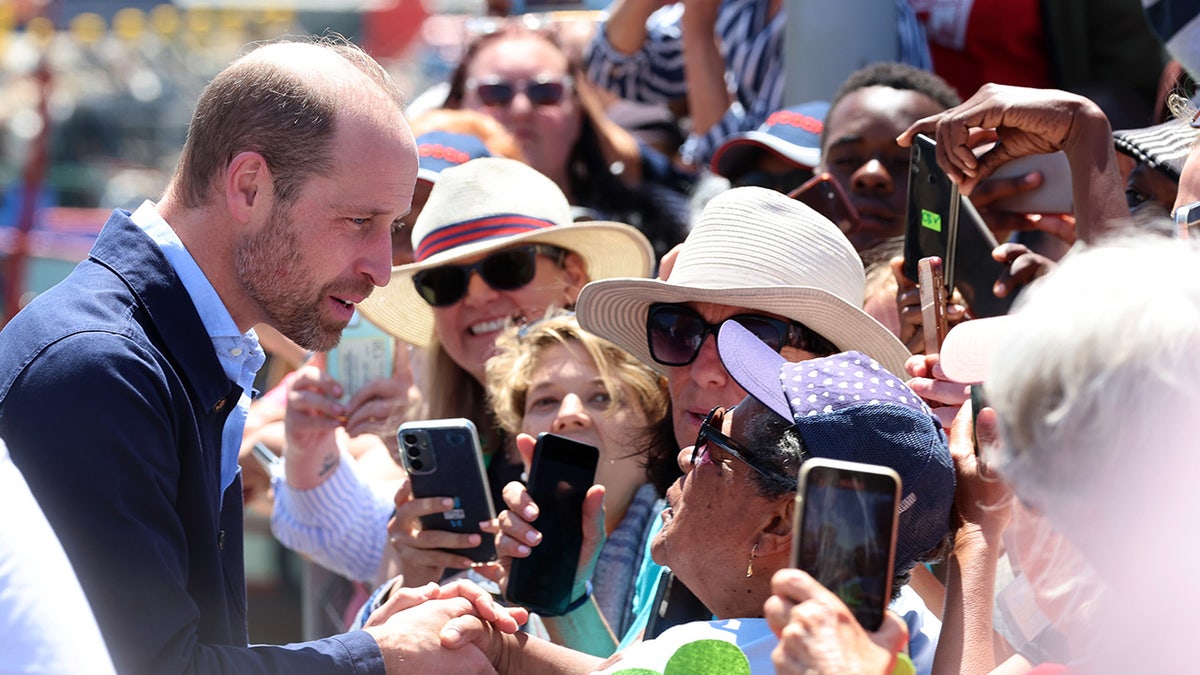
x: 504, y: 270
x: 710, y: 432
x: 677, y: 332
x: 495, y: 91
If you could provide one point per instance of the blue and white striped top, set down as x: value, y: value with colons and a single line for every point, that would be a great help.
x: 752, y: 44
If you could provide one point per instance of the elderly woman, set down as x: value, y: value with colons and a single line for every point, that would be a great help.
x: 494, y: 243
x: 728, y: 525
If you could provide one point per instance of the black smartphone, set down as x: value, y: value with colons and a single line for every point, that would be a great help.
x: 940, y: 222
x: 562, y: 472
x: 825, y: 195
x: 845, y: 532
x: 443, y: 459
x: 674, y: 604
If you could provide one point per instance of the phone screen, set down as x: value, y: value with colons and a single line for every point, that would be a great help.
x: 561, y: 474
x: 846, y: 534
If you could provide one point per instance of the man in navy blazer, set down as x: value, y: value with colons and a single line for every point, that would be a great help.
x: 123, y: 390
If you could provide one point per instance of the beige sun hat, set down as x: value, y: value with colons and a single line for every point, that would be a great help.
x: 757, y: 249
x: 485, y: 205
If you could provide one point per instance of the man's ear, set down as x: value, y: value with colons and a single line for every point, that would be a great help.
x: 248, y: 186
x: 776, y: 535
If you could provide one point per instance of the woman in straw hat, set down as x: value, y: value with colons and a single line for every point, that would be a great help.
x: 494, y: 244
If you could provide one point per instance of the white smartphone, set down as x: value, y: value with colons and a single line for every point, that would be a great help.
x: 364, y: 353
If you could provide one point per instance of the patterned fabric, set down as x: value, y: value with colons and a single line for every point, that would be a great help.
x: 752, y: 44
x: 620, y: 558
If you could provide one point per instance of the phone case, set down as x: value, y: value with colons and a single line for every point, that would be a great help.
x: 938, y: 222
x: 825, y: 195
x: 443, y: 459
x: 674, y: 604
x: 834, y: 501
x: 932, y: 284
x: 561, y: 474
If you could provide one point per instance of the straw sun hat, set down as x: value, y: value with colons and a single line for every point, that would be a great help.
x: 756, y: 249
x: 486, y: 205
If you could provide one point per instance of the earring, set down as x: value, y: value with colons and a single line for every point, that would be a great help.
x: 750, y: 567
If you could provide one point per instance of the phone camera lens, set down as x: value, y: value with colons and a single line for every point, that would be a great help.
x: 410, y: 439
x: 417, y: 465
x: 414, y: 451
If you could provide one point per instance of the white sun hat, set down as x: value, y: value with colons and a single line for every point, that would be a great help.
x: 485, y: 205
x: 756, y: 249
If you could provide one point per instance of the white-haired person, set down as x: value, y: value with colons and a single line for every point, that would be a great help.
x: 494, y: 244
x: 1091, y: 409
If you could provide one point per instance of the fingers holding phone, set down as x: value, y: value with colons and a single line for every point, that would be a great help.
x: 817, y: 632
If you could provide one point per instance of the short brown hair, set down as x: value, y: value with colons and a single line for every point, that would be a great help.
x: 255, y: 105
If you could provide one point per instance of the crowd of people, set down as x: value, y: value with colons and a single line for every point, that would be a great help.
x: 545, y: 245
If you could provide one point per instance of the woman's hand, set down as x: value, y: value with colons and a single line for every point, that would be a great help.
x: 818, y: 633
x: 1021, y: 267
x: 419, y: 550
x: 908, y: 305
x: 311, y: 451
x: 929, y: 382
x: 981, y: 498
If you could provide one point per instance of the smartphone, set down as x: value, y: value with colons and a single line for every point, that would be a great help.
x: 1187, y: 221
x: 932, y: 285
x: 365, y: 352
x: 845, y: 532
x: 1053, y: 196
x: 562, y: 472
x: 270, y: 462
x: 673, y: 604
x: 826, y: 196
x: 443, y: 459
x: 940, y: 222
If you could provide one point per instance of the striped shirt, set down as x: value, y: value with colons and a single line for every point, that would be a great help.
x: 752, y: 44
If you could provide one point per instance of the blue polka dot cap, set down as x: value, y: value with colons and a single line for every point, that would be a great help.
x: 848, y: 407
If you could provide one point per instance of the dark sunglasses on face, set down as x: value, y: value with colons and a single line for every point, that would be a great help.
x: 504, y: 270
x: 498, y: 92
x: 710, y: 432
x: 677, y: 332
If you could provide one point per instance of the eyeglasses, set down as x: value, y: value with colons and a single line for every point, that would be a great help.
x: 710, y: 432
x: 544, y: 90
x: 504, y: 270
x: 677, y: 332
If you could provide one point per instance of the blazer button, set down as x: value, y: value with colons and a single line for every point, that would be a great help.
x: 219, y: 406
x: 221, y: 540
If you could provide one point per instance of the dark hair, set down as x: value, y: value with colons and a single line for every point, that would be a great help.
x: 592, y: 182
x: 898, y: 76
x: 777, y: 449
x: 259, y: 106
x: 660, y: 453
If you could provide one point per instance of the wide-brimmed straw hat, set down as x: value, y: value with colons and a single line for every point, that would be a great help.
x: 756, y: 249
x: 485, y: 205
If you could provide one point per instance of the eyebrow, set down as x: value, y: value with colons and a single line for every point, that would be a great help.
x: 844, y: 140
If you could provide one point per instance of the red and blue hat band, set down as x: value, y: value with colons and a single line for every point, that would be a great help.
x: 480, y: 229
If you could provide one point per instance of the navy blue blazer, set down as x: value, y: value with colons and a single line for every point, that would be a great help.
x: 112, y: 402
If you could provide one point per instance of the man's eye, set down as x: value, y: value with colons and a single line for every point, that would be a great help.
x: 1134, y: 198
x: 360, y: 222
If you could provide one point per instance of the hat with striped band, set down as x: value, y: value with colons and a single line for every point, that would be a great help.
x: 758, y: 250
x: 485, y: 205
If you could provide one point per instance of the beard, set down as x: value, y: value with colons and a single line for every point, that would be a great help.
x: 271, y: 270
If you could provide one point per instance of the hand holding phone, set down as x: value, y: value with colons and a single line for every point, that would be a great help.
x: 845, y: 532
x: 443, y: 459
x: 562, y: 472
x: 364, y: 353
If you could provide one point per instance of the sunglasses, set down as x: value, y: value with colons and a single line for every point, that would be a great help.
x: 504, y: 270
x: 497, y: 92
x: 710, y: 432
x: 677, y: 332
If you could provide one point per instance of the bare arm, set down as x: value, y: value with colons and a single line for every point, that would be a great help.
x: 626, y: 24
x: 707, y: 94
